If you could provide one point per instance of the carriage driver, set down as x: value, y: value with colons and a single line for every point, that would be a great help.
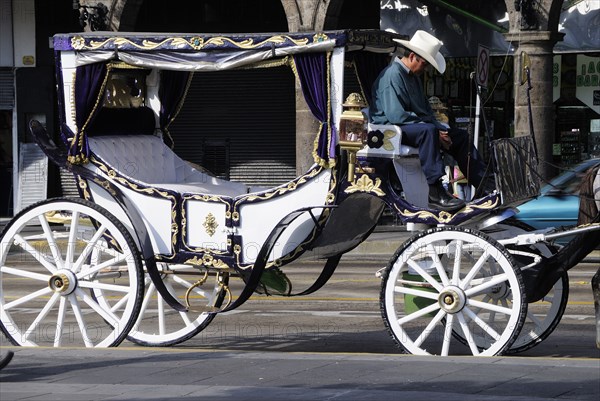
x: 398, y: 98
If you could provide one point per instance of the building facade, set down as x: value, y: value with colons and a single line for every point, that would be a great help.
x: 235, y: 103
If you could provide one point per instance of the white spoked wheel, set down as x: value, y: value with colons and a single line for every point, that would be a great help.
x: 53, y: 256
x: 542, y: 316
x: 159, y: 325
x: 445, y: 280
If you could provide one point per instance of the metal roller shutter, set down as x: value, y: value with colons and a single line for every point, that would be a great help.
x: 7, y: 92
x: 68, y: 184
x: 241, y: 125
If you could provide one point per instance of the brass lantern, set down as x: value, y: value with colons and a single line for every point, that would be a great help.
x: 353, y: 129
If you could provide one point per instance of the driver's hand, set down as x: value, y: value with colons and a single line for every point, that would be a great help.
x: 445, y: 140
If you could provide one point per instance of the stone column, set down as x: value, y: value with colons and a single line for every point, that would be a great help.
x: 538, y: 45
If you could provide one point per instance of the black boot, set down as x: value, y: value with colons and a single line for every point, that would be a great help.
x: 440, y: 199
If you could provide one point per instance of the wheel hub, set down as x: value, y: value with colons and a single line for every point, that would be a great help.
x: 452, y: 299
x: 63, y: 282
x: 499, y: 291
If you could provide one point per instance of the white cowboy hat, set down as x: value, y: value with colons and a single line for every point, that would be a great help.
x: 428, y: 47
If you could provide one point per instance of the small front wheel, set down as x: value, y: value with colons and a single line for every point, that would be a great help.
x: 446, y: 280
x: 54, y: 256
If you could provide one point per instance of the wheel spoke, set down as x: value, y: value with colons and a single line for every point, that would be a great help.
x: 491, y: 307
x: 467, y: 332
x: 447, y: 335
x: 51, y: 241
x: 119, y: 303
x: 492, y: 317
x: 26, y: 246
x: 486, y: 299
x: 72, y: 239
x: 421, y: 312
x: 537, y: 322
x: 106, y: 315
x: 147, y: 297
x: 88, y: 248
x: 186, y: 320
x: 80, y: 321
x: 60, y: 321
x: 434, y: 283
x: 27, y: 298
x: 475, y: 269
x: 487, y: 328
x: 429, y: 329
x: 437, y: 263
x: 415, y: 292
x: 88, y: 272
x: 104, y: 286
x: 457, y: 260
x: 161, y: 316
x: 184, y: 315
x: 487, y: 283
x: 25, y: 273
x: 43, y: 313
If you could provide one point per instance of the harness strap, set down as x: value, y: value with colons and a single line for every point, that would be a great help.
x: 253, y: 278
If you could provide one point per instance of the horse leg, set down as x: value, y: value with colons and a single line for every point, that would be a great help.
x: 596, y: 291
x: 596, y: 278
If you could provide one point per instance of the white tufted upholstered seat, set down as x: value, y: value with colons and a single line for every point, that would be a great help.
x: 146, y: 159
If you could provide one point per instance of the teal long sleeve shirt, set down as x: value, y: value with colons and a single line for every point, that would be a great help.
x: 398, y: 98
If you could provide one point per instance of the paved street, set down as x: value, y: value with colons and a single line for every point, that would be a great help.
x: 128, y: 373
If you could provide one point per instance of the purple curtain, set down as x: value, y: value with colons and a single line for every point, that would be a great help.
x: 368, y: 66
x: 173, y: 86
x: 313, y: 72
x: 89, y: 83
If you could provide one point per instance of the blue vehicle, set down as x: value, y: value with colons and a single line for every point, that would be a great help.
x: 558, y: 203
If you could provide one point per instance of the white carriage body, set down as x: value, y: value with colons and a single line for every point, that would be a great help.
x: 146, y: 167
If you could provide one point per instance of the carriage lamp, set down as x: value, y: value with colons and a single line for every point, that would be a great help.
x: 353, y: 129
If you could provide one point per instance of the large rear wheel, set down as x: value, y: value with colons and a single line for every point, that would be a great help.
x: 53, y: 256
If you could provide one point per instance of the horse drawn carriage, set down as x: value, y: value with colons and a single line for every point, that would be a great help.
x: 150, y: 250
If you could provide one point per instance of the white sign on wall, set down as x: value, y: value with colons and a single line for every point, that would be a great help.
x: 588, y: 81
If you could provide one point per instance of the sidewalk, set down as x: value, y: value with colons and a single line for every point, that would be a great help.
x: 129, y: 373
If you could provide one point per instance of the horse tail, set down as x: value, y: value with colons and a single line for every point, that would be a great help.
x: 589, y: 197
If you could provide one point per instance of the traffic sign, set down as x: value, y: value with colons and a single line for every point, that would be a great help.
x: 483, y: 66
